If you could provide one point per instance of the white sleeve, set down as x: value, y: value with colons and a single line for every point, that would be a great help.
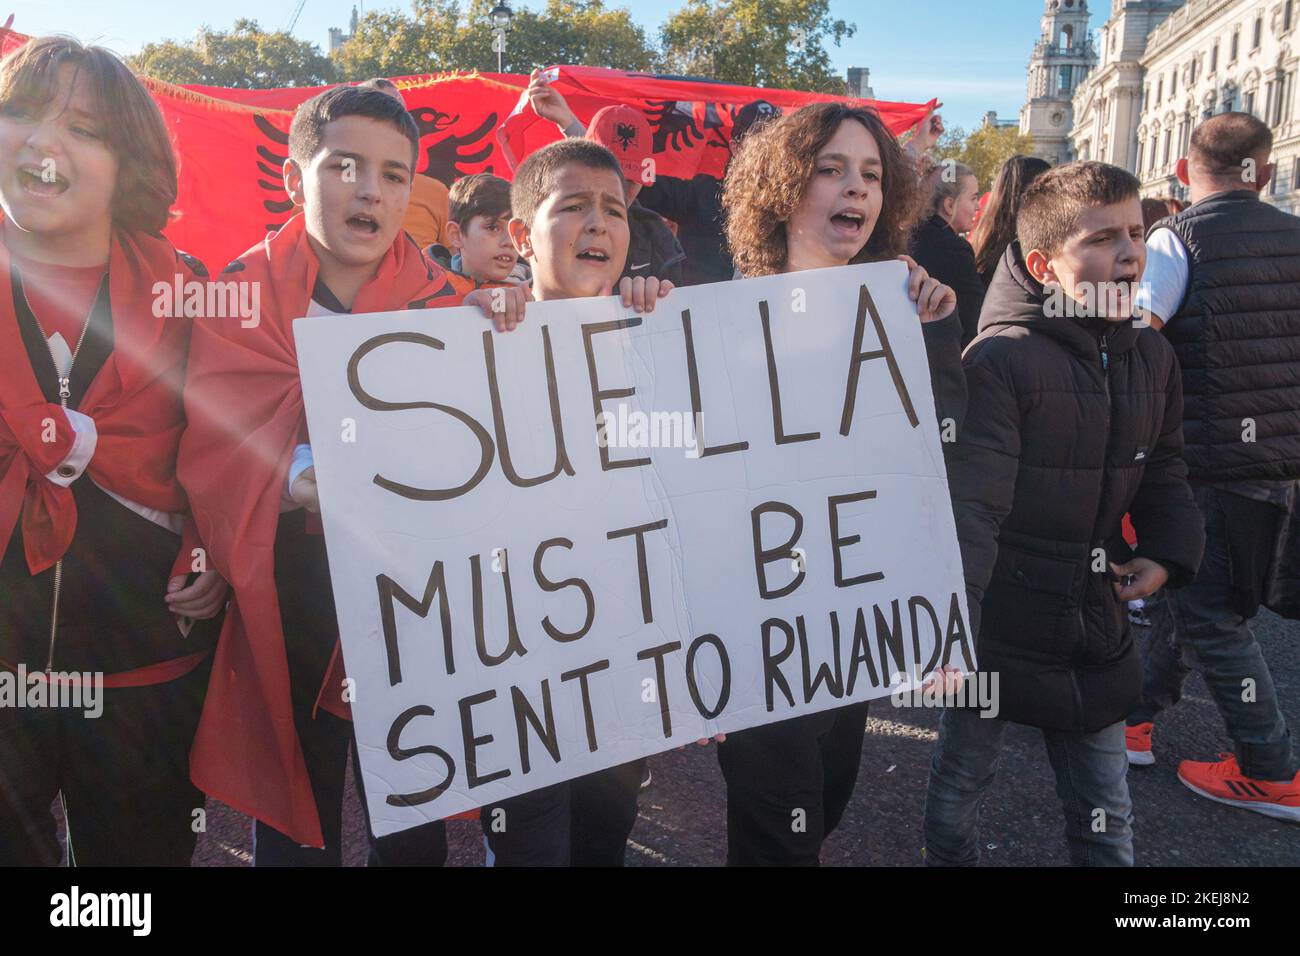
x: 302, y: 460
x: 1164, y: 282
x: 83, y: 449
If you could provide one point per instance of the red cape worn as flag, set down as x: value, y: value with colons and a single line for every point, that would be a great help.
x: 232, y: 144
x: 243, y: 400
x: 135, y: 400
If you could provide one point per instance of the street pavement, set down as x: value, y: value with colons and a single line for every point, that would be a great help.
x: 683, y: 812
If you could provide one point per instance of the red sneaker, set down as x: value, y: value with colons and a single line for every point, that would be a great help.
x: 1137, y: 741
x: 1224, y: 782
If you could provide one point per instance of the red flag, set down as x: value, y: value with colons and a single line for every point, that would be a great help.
x: 692, y: 120
x: 231, y: 144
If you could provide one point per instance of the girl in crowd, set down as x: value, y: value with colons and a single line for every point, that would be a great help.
x: 99, y: 592
x: 825, y: 186
x: 938, y: 244
x: 997, y: 226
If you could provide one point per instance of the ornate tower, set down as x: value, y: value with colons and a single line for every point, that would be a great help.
x: 1062, y: 56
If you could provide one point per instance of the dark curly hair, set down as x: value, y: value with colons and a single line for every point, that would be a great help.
x: 770, y: 173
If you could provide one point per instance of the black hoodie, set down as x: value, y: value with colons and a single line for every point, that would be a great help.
x: 1070, y: 423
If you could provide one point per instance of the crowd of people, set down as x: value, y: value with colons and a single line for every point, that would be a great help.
x: 159, y: 514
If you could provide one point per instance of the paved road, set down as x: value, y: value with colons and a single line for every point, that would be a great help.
x: 682, y: 813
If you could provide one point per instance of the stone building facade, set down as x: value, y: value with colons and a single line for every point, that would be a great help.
x: 1061, y: 59
x: 1164, y: 66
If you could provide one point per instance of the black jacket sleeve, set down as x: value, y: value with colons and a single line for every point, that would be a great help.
x: 1169, y: 526
x: 982, y: 469
x: 943, y: 352
x: 950, y: 259
x: 672, y: 198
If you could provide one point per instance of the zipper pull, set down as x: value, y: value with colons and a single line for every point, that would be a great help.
x: 1105, y: 356
x: 65, y: 390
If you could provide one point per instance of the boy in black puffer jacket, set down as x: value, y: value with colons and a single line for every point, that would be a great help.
x: 1074, y: 418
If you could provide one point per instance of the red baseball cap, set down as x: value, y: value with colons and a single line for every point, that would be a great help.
x: 625, y: 132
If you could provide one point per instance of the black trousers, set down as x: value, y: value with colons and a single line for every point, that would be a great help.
x: 603, y: 813
x: 124, y: 778
x: 310, y: 630
x: 788, y: 784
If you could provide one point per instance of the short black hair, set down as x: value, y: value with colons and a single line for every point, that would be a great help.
x: 535, y: 178
x: 1222, y: 144
x: 1052, y: 204
x: 481, y: 194
x: 309, y: 122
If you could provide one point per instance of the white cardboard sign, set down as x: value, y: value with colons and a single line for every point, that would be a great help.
x: 763, y: 531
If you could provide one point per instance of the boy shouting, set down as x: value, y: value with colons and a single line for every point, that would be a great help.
x: 1074, y: 418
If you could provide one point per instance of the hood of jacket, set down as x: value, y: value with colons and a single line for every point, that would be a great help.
x: 1016, y: 298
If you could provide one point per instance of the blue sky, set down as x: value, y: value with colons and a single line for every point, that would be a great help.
x: 971, y: 54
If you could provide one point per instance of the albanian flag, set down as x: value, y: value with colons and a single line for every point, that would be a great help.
x: 231, y: 144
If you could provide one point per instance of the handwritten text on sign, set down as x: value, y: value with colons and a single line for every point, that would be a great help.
x: 603, y: 535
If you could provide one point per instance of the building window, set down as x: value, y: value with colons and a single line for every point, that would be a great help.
x: 1295, y: 173
x: 1164, y: 156
x: 1139, y: 156
x: 1286, y: 14
x: 1214, y: 57
x: 1063, y: 80
x: 1236, y: 42
x: 1249, y: 105
x: 1173, y: 82
x: 1160, y: 89
x: 1259, y: 33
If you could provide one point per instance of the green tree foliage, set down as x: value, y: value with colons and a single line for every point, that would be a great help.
x: 440, y: 35
x: 245, y: 57
x: 984, y: 150
x: 776, y: 43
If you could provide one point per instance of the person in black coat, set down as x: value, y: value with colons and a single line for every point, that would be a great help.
x: 1074, y: 417
x: 938, y: 247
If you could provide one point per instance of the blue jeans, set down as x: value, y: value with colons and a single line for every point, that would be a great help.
x: 1208, y: 633
x: 1091, y: 780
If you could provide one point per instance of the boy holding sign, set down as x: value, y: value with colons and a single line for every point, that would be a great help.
x: 273, y: 740
x: 570, y: 224
x: 1075, y: 418
x: 822, y: 187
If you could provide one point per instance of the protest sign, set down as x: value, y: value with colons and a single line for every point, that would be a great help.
x: 603, y: 535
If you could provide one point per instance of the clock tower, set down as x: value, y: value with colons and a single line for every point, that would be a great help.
x: 1062, y: 57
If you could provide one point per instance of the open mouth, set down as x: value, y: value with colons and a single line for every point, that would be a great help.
x: 38, y: 181
x: 505, y: 260
x: 364, y: 224
x: 593, y: 255
x: 849, y: 220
